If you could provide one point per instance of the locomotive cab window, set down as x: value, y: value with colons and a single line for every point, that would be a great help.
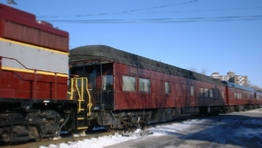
x: 144, y: 85
x: 129, y: 83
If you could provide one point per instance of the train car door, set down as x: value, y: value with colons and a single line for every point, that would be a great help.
x: 107, y: 91
x: 105, y: 88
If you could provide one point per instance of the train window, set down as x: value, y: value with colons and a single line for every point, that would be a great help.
x: 144, y: 85
x: 206, y: 92
x: 92, y: 79
x: 201, y: 92
x: 192, y: 90
x: 167, y: 89
x: 238, y: 95
x: 235, y: 95
x: 129, y: 83
x: 211, y: 93
x: 222, y: 94
x: 215, y: 93
x: 107, y: 82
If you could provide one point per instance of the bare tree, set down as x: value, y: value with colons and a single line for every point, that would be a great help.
x: 193, y: 68
x: 204, y: 71
x: 9, y: 2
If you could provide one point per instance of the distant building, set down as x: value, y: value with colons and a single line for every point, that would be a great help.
x: 231, y: 77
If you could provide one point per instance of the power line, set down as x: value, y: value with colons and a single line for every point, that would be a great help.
x: 158, y: 12
x: 165, y: 20
x: 207, y: 10
x: 107, y: 13
x: 120, y: 12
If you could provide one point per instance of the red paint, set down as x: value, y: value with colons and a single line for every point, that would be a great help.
x: 7, y: 9
x: 244, y: 100
x: 179, y: 95
x: 22, y: 26
x: 0, y: 72
x: 25, y: 85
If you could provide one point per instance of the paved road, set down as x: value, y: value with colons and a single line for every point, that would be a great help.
x: 239, y: 129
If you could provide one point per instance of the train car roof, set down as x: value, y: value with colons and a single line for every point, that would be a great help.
x: 234, y: 85
x: 93, y: 52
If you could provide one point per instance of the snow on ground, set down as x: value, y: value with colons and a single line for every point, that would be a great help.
x: 235, y: 130
x: 99, y: 142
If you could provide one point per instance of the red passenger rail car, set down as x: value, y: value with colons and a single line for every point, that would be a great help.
x: 258, y: 98
x: 128, y: 89
x: 240, y: 98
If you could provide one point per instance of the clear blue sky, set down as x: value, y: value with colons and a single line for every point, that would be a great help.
x: 216, y: 35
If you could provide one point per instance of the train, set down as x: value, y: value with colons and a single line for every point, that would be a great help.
x: 45, y: 88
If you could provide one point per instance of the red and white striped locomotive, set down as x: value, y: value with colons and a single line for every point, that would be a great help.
x: 33, y: 77
x: 107, y: 87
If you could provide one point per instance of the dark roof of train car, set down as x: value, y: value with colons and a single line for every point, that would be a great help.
x: 92, y: 52
x: 234, y: 85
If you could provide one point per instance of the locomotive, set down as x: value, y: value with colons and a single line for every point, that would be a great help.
x: 104, y: 86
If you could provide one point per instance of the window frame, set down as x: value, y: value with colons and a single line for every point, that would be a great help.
x: 133, y: 88
x: 145, y: 82
x: 206, y: 94
x: 202, y: 92
x: 167, y: 88
x: 192, y: 91
x: 211, y: 95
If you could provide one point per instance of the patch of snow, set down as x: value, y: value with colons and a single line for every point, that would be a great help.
x: 99, y: 142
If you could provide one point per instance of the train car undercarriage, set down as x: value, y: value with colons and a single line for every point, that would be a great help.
x: 128, y: 120
x: 42, y: 120
x: 38, y: 121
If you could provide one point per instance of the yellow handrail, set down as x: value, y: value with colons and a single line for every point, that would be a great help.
x: 89, y: 105
x: 80, y: 92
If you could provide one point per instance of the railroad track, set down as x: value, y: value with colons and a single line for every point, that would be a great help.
x: 63, y: 139
x: 67, y: 138
x: 94, y: 134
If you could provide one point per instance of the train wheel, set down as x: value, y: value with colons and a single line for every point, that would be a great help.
x: 126, y: 125
x: 109, y: 128
x: 36, y: 134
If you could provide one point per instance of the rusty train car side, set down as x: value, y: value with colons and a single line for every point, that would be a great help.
x: 128, y: 89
